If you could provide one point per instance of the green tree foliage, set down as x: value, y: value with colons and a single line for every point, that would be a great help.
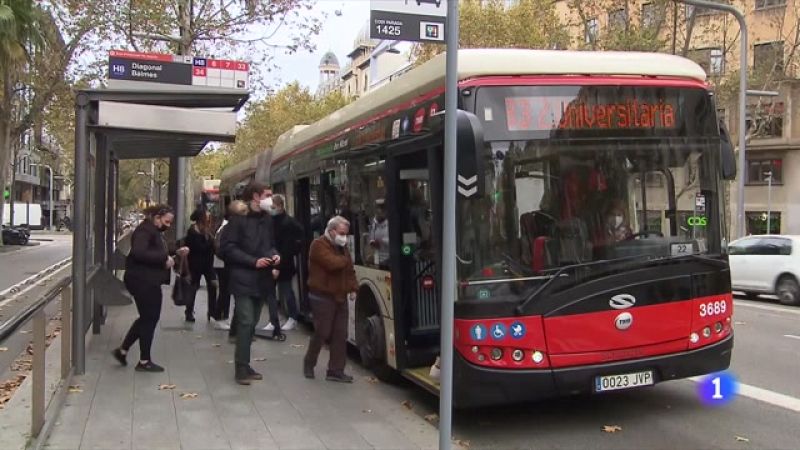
x: 492, y: 24
x: 266, y: 120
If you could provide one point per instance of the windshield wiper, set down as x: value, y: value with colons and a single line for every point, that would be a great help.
x: 562, y: 273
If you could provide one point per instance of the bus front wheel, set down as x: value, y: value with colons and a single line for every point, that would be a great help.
x: 371, y: 342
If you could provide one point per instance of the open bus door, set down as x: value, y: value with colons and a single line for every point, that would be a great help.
x: 303, y: 214
x: 414, y: 257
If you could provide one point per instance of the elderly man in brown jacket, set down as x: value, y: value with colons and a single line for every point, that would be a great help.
x: 331, y: 281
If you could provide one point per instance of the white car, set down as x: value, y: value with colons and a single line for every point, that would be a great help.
x: 766, y: 264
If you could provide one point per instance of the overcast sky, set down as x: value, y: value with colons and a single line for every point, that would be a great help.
x: 338, y: 34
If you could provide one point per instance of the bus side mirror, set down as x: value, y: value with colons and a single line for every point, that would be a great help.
x: 470, y: 149
x: 727, y: 156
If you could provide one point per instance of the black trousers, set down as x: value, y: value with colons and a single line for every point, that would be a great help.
x: 147, y: 297
x: 211, y: 287
x: 224, y: 299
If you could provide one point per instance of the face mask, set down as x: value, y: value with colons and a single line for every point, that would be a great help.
x: 340, y: 240
x: 617, y: 221
x: 265, y: 204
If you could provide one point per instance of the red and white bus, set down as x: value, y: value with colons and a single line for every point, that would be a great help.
x: 590, y: 221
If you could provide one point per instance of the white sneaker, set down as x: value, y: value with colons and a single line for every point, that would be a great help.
x: 290, y: 324
x: 269, y: 327
x: 222, y: 325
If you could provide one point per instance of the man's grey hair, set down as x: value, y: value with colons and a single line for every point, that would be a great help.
x: 278, y: 198
x: 335, y: 222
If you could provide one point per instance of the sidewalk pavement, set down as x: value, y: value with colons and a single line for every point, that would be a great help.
x: 114, y: 407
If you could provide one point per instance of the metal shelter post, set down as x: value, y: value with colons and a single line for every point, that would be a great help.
x: 111, y: 210
x: 79, y: 243
x: 449, y: 228
x: 740, y: 228
x: 100, y: 225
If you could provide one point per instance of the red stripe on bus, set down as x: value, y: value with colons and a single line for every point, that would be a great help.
x: 623, y: 354
x: 573, y: 80
x: 597, y: 331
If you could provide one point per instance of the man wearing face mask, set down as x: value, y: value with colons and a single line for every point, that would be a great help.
x: 617, y: 227
x: 248, y: 248
x: 379, y: 235
x: 331, y: 283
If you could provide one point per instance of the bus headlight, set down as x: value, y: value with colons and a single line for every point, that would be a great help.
x: 537, y: 357
x: 707, y: 332
x: 718, y: 327
x: 496, y: 354
x: 694, y: 338
x: 517, y: 355
x: 475, y: 349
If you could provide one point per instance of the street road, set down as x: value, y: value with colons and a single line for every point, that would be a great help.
x: 670, y: 415
x: 18, y: 265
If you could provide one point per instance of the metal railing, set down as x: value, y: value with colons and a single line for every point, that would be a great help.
x: 35, y: 312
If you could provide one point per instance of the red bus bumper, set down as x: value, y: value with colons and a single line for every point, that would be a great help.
x: 475, y: 386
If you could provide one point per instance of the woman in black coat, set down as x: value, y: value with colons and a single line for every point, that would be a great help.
x: 146, y: 270
x: 201, y: 262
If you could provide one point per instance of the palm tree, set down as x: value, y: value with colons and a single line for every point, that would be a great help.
x: 19, y: 32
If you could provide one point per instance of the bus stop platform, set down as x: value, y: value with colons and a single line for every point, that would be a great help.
x: 114, y: 407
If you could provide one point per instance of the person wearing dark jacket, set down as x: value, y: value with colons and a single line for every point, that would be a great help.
x: 201, y: 262
x: 248, y: 249
x: 146, y: 270
x: 331, y: 283
x: 288, y: 240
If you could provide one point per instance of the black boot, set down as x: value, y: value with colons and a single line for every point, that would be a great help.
x: 242, y: 375
x: 308, y: 370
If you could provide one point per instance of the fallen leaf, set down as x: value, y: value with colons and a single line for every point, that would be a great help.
x: 25, y: 331
x: 216, y: 345
x: 739, y: 323
x: 432, y: 418
x: 189, y: 395
x: 372, y: 380
x: 230, y: 361
x: 461, y: 442
x: 259, y: 359
x: 742, y: 439
x: 611, y: 428
x: 298, y: 345
x: 407, y: 404
x: 165, y: 387
x: 367, y: 411
x: 75, y: 389
x: 3, y: 349
x: 198, y: 336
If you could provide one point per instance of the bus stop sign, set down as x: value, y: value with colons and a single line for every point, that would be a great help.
x: 408, y: 20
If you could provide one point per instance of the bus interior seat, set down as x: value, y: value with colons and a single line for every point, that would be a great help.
x: 537, y: 231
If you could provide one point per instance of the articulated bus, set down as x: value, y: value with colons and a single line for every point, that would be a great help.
x: 591, y: 254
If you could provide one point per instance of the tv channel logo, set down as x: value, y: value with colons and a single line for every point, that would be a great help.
x: 431, y: 31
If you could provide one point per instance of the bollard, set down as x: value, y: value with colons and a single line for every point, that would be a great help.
x: 38, y: 373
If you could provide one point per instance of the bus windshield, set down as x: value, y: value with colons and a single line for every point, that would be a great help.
x: 569, y: 197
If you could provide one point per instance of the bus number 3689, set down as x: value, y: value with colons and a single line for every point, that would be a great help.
x: 713, y: 308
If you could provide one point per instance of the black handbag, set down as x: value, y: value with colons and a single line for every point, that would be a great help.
x: 183, y: 290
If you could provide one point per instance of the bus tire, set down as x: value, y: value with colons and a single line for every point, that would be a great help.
x: 371, y: 342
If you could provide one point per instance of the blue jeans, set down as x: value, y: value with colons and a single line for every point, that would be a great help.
x: 247, y: 314
x: 286, y: 293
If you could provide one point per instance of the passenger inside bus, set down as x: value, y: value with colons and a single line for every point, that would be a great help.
x: 379, y: 235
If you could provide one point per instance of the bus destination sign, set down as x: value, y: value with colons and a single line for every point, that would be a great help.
x: 408, y: 20
x: 545, y: 113
x: 177, y: 69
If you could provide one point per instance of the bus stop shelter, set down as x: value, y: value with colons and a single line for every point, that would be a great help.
x: 131, y: 121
